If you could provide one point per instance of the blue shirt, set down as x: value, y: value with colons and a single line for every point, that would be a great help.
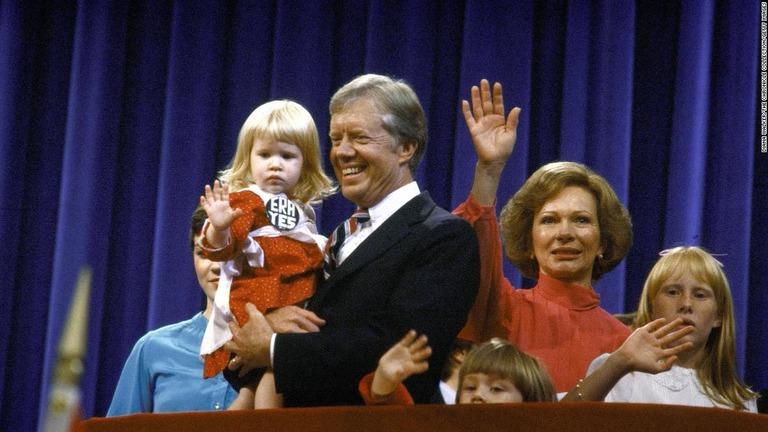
x: 164, y: 373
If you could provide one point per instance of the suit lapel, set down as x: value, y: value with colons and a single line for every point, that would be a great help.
x: 398, y: 225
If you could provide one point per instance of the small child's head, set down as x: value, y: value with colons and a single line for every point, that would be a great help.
x: 693, y: 267
x: 270, y: 124
x: 458, y: 353
x: 497, y: 372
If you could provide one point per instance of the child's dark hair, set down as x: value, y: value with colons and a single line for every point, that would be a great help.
x: 451, y: 364
x: 198, y: 219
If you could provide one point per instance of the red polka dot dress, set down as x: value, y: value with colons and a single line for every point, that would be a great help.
x: 277, y: 252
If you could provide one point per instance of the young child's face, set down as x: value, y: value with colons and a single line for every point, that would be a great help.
x: 488, y: 388
x: 276, y: 165
x: 684, y: 296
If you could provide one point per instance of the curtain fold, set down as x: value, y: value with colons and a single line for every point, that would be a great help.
x: 652, y: 99
x: 608, y: 109
x: 500, y: 50
x: 727, y: 210
x: 14, y: 118
x: 88, y: 175
x: 33, y: 130
x: 688, y: 149
x: 114, y: 115
x: 190, y: 126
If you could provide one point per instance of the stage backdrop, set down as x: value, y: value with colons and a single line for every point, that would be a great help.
x: 115, y: 114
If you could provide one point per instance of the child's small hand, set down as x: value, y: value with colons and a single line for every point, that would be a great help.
x: 215, y: 202
x: 406, y: 358
x: 654, y: 347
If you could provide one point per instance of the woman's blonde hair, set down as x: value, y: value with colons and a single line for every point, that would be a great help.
x: 502, y: 358
x: 516, y: 217
x: 285, y: 121
x: 717, y: 371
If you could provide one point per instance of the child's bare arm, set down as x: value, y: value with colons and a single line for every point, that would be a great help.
x: 244, y: 400
x: 406, y: 358
x: 215, y: 202
x: 645, y: 350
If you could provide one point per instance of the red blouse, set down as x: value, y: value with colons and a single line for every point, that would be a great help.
x: 561, y: 324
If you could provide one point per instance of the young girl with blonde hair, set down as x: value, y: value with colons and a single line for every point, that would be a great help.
x: 684, y: 350
x: 262, y: 227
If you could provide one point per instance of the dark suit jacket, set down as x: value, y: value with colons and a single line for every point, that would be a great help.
x: 419, y: 270
x: 437, y: 397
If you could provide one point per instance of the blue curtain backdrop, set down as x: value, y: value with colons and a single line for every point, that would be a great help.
x: 114, y: 114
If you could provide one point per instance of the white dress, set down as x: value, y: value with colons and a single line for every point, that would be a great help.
x: 677, y: 386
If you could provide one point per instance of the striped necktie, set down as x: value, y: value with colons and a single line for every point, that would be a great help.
x: 341, y: 233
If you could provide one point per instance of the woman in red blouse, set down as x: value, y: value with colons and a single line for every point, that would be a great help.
x: 565, y: 228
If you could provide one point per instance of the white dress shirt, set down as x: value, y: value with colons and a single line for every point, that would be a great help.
x: 449, y: 394
x: 379, y: 213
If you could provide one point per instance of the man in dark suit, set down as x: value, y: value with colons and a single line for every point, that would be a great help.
x: 412, y: 266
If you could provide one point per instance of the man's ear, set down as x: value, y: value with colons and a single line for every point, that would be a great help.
x: 406, y: 150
